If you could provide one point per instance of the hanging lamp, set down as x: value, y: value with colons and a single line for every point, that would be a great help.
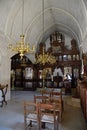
x: 21, y: 47
x: 44, y: 57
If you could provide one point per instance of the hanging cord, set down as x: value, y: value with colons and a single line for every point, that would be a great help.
x: 22, y: 16
x: 43, y: 15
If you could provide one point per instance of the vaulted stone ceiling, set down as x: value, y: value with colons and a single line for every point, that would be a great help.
x: 67, y: 16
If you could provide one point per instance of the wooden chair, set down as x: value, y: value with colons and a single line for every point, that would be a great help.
x: 57, y: 99
x: 48, y: 93
x: 58, y: 95
x: 30, y: 114
x: 47, y: 114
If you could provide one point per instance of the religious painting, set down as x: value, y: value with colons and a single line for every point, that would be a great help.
x: 18, y: 73
x: 69, y: 57
x: 56, y: 49
x: 60, y: 58
x: 74, y: 57
x: 48, y: 73
x: 77, y: 57
x: 67, y: 73
x: 28, y: 73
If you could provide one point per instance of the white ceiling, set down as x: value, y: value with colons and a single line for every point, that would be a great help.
x: 67, y: 16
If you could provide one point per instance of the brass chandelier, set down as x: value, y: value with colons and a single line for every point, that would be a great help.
x: 21, y: 47
x: 45, y: 57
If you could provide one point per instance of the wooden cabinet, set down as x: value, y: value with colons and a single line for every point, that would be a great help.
x: 86, y: 105
x: 24, y: 73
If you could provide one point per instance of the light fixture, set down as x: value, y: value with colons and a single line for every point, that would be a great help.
x: 21, y: 47
x: 44, y: 57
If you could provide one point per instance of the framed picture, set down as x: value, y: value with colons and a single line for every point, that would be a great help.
x: 18, y: 74
x: 60, y: 58
x: 69, y: 57
x: 28, y: 73
x: 74, y: 57
x: 77, y: 57
x: 67, y: 73
x: 56, y: 49
x: 40, y: 74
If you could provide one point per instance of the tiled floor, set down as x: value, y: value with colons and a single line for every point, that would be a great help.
x: 11, y: 116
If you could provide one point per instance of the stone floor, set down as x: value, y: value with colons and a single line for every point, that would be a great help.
x: 11, y: 115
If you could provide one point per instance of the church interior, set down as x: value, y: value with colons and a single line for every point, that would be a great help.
x: 43, y: 51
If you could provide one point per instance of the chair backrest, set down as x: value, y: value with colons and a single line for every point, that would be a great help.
x: 40, y: 98
x: 29, y: 106
x: 57, y: 95
x: 48, y: 93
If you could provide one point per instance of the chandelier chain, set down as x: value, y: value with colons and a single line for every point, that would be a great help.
x: 22, y: 17
x: 43, y: 15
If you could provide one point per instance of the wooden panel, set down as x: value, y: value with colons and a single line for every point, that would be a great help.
x: 65, y: 56
x: 86, y: 104
x: 83, y: 97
